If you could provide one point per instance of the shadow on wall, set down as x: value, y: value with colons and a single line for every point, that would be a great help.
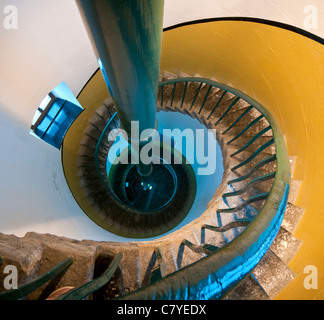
x: 34, y: 193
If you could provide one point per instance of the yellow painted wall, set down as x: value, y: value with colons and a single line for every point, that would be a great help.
x: 283, y: 71
x: 91, y: 98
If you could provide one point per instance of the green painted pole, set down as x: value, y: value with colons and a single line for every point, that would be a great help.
x: 127, y: 38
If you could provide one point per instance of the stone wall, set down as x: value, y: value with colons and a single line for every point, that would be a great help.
x: 35, y: 254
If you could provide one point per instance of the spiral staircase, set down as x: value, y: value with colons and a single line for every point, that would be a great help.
x: 114, y: 212
x: 238, y: 249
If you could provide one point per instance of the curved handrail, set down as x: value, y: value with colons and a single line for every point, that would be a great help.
x: 215, y: 275
x: 111, y: 192
x: 94, y: 285
x: 36, y: 283
x: 123, y: 212
x: 103, y: 134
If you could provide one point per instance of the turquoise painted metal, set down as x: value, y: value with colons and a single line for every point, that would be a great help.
x: 94, y: 285
x: 127, y: 36
x: 127, y: 39
x: 158, y: 272
x: 214, y: 276
x: 31, y: 286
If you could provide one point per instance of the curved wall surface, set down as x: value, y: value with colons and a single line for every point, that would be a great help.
x: 281, y: 69
x: 302, y: 14
x: 50, y: 44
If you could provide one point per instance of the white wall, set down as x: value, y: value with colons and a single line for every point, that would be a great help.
x: 51, y: 46
x: 292, y: 12
x: 34, y: 195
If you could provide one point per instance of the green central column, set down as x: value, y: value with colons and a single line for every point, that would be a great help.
x: 126, y: 36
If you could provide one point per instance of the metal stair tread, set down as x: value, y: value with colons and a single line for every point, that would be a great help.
x: 292, y: 217
x: 168, y: 256
x: 248, y: 289
x: 273, y: 274
x: 285, y: 245
x: 129, y: 264
x: 146, y: 261
x: 172, y: 250
x: 185, y: 256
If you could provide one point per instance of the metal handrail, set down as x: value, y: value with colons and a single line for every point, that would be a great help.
x: 102, y: 136
x: 94, y: 285
x: 215, y: 275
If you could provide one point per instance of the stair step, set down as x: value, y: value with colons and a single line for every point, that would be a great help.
x: 249, y: 289
x: 109, y: 212
x: 258, y: 185
x: 183, y: 75
x: 207, y: 98
x: 176, y: 103
x: 93, y: 133
x: 247, y: 194
x: 97, y: 198
x: 98, y: 121
x: 185, y: 256
x: 87, y: 152
x: 57, y: 249
x: 253, y: 144
x: 88, y: 186
x: 249, y: 211
x: 233, y: 111
x: 265, y: 186
x: 245, y: 167
x: 95, y: 128
x: 285, y: 245
x: 292, y: 162
x: 109, y: 105
x: 165, y: 101
x: 293, y: 216
x: 89, y: 172
x: 217, y: 112
x: 255, y: 128
x: 233, y: 116
x: 268, y: 168
x: 211, y: 237
x: 273, y: 274
x: 88, y: 141
x: 24, y: 254
x: 103, y: 112
x: 225, y: 218
x: 147, y: 261
x: 252, y: 192
x: 293, y: 191
x: 129, y: 264
x: 167, y: 89
x: 192, y: 93
x: 244, y: 155
x: 169, y: 256
x: 107, y: 110
x: 166, y: 75
x: 214, y: 100
x: 245, y: 118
